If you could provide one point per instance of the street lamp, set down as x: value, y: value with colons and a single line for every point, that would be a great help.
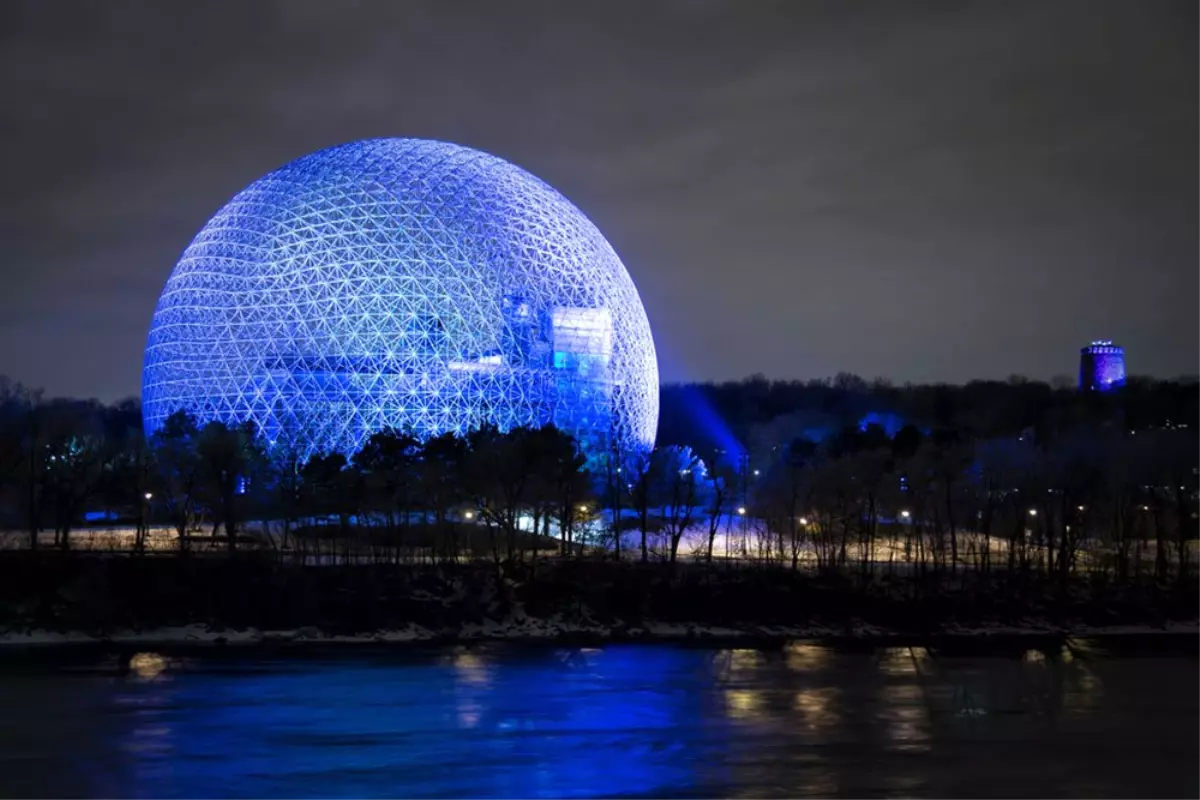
x: 804, y: 520
x: 468, y: 515
x: 1082, y: 508
x: 1033, y: 512
x: 905, y: 514
x: 583, y: 509
x: 741, y: 511
x: 148, y: 496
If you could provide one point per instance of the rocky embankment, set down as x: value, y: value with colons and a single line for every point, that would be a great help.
x: 57, y: 599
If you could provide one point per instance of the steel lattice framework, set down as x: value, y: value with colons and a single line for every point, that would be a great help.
x: 402, y: 283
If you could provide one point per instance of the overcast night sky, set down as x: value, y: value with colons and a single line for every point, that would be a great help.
x: 920, y: 191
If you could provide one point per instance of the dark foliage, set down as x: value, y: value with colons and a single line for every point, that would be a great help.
x: 990, y: 501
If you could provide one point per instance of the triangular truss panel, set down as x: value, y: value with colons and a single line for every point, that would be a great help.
x: 402, y: 283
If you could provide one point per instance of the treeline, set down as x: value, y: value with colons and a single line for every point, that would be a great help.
x: 1014, y: 474
x: 1103, y: 501
x: 60, y: 458
x: 703, y: 415
x: 836, y: 475
x: 397, y: 495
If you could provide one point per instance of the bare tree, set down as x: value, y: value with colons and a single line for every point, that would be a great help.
x: 720, y: 477
x: 678, y: 480
x: 639, y: 469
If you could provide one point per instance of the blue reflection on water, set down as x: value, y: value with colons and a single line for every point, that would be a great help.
x: 555, y: 724
x: 1007, y: 718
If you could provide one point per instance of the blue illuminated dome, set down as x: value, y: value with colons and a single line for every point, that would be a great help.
x: 402, y: 283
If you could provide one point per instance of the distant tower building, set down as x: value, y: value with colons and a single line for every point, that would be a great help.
x: 1101, y: 367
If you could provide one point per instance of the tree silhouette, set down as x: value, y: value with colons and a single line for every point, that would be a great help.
x: 442, y: 477
x: 389, y: 462
x: 176, y: 460
x: 227, y: 457
x: 678, y: 487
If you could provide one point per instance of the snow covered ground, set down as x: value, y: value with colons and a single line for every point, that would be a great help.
x: 528, y: 629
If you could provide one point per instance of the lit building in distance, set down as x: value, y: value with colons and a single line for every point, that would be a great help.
x: 409, y: 284
x: 1101, y: 367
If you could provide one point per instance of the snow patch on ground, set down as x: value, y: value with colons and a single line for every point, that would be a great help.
x: 524, y: 628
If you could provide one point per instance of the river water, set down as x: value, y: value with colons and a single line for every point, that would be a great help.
x: 1078, y: 717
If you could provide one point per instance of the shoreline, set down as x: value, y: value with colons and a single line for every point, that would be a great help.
x: 255, y: 601
x: 544, y: 632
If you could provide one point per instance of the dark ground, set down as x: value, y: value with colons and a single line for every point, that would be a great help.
x: 97, y: 595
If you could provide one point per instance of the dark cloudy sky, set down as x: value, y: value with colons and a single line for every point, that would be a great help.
x: 922, y: 191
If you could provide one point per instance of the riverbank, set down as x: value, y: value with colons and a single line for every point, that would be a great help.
x: 546, y: 631
x: 254, y: 599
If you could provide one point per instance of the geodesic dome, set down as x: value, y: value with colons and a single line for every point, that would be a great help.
x: 402, y: 283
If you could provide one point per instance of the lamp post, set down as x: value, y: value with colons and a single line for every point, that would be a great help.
x: 143, y: 521
x: 744, y: 474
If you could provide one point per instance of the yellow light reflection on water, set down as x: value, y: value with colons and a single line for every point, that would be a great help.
x: 734, y: 667
x: 1034, y: 657
x: 147, y: 666
x: 905, y: 717
x: 734, y: 664
x: 744, y: 659
x: 743, y: 704
x: 473, y: 677
x: 818, y: 707
x: 899, y: 661
x: 803, y: 656
x: 470, y: 668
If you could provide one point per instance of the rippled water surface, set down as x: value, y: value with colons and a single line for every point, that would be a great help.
x: 1012, y: 718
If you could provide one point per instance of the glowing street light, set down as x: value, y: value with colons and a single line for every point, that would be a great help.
x: 148, y: 496
x: 583, y: 509
x: 1082, y: 508
x: 905, y: 514
x: 756, y: 473
x: 468, y: 515
x: 804, y: 520
x: 742, y: 511
x: 1033, y: 512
